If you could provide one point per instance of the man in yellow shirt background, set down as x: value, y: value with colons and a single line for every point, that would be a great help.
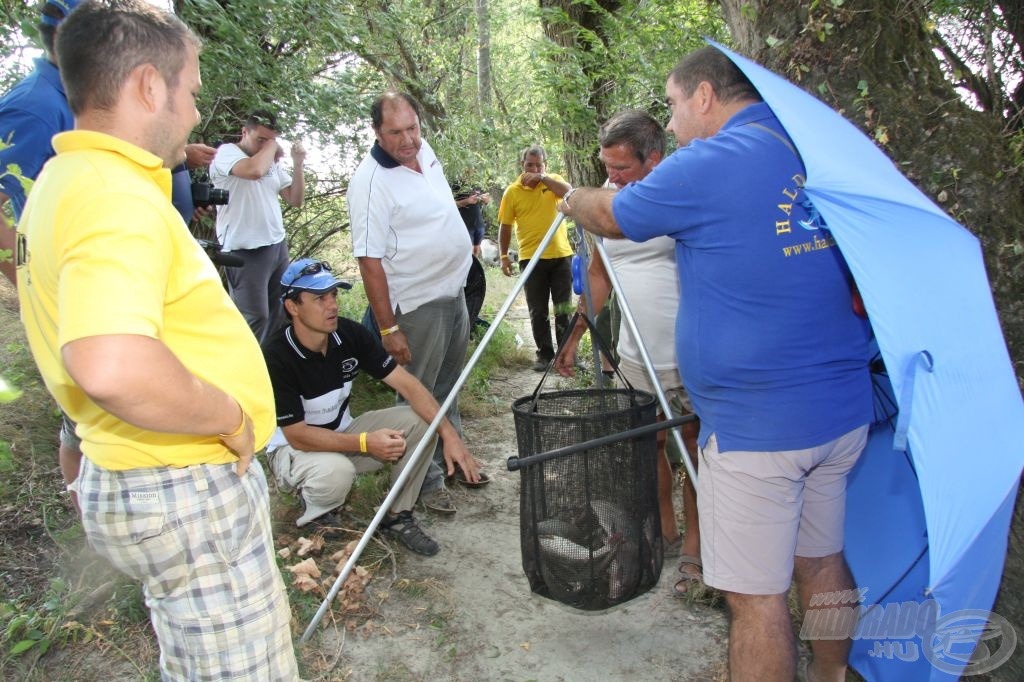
x: 529, y: 207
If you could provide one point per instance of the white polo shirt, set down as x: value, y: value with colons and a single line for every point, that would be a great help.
x: 409, y: 220
x: 650, y: 285
x: 252, y: 217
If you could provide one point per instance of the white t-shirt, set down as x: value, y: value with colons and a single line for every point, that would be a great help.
x: 650, y: 286
x: 252, y: 217
x: 409, y: 220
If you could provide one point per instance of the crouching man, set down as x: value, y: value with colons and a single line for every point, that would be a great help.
x: 319, y: 448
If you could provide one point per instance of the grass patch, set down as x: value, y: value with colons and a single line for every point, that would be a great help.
x: 477, y: 399
x: 29, y: 424
x: 395, y: 671
x: 30, y: 628
x: 368, y: 491
x: 420, y: 589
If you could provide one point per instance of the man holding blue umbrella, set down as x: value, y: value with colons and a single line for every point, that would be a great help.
x: 771, y: 353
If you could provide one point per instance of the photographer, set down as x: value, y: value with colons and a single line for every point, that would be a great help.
x: 197, y: 155
x: 251, y: 225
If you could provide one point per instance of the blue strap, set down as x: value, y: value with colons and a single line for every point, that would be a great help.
x: 577, y: 275
x: 921, y: 359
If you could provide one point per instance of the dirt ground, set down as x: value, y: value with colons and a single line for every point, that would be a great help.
x: 468, y: 613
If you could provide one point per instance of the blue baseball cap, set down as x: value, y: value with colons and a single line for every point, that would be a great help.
x: 310, y: 275
x: 64, y: 6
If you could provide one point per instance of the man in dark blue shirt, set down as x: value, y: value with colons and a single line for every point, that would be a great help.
x: 770, y: 351
x: 31, y: 113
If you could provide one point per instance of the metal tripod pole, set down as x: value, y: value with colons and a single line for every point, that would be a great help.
x: 431, y: 430
x: 627, y: 317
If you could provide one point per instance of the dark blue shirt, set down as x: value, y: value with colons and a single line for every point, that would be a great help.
x: 181, y: 192
x: 31, y: 113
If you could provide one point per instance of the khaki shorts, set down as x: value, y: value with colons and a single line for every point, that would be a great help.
x: 67, y: 433
x: 670, y: 382
x: 760, y: 509
x: 676, y: 395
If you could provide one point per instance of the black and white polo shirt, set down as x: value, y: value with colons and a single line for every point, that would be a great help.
x: 315, y: 388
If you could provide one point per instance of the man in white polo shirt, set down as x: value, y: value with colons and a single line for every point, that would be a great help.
x: 251, y: 225
x: 414, y: 255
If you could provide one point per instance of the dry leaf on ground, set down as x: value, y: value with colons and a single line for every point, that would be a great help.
x: 304, y: 583
x: 307, y: 567
x: 312, y: 545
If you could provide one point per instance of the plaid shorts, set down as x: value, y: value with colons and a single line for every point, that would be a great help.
x: 199, y: 539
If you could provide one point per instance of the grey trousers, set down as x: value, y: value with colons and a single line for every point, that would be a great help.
x: 438, y: 335
x: 324, y: 479
x: 256, y: 287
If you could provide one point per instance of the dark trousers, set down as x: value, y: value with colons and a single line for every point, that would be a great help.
x: 551, y: 278
x: 256, y: 287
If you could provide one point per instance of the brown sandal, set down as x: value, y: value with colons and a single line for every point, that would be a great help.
x: 689, y: 578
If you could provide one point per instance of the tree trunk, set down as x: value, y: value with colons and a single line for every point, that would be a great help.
x: 483, y: 59
x: 578, y: 117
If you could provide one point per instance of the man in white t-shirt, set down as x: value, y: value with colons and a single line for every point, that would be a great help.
x: 251, y: 225
x: 632, y: 144
x: 414, y: 255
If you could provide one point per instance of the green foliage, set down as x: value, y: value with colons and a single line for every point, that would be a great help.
x: 37, y: 626
x: 321, y: 65
x: 600, y: 59
x: 1017, y: 149
x: 18, y: 39
x: 13, y: 169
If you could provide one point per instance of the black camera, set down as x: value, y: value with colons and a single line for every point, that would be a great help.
x: 205, y: 195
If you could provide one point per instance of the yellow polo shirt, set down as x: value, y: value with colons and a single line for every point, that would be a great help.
x: 531, y: 212
x: 107, y: 253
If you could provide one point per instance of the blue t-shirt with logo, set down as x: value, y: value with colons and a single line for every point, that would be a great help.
x: 768, y: 346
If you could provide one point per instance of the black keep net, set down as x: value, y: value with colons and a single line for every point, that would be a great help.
x: 589, y: 523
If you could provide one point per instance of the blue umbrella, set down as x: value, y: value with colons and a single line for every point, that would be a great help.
x: 929, y: 505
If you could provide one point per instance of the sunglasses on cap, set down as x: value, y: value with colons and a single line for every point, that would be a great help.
x: 311, y: 269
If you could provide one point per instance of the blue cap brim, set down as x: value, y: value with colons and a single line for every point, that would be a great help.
x: 317, y: 283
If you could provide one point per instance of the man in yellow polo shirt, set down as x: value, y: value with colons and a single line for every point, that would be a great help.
x: 529, y: 204
x: 139, y: 343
